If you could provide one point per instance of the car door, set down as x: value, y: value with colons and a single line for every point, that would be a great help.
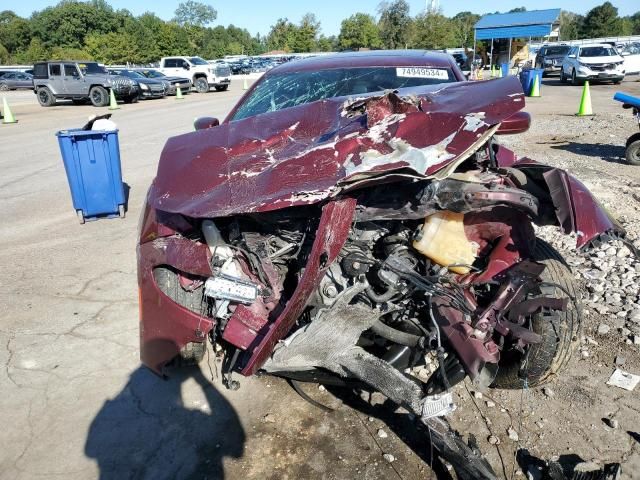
x: 23, y: 81
x: 56, y: 85
x: 173, y: 66
x: 74, y: 84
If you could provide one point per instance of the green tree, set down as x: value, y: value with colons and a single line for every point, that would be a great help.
x: 69, y: 22
x: 305, y: 36
x: 433, y: 31
x: 518, y: 10
x: 15, y: 32
x: 66, y: 53
x: 327, y: 44
x: 601, y: 21
x: 195, y: 13
x: 463, y: 24
x: 112, y: 48
x: 359, y: 31
x: 35, y: 52
x: 281, y: 36
x: 4, y: 55
x: 395, y: 23
x: 570, y: 25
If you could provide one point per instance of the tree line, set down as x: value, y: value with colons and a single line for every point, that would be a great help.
x: 93, y: 29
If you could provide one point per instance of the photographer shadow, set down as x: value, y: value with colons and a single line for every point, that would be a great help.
x: 147, y: 432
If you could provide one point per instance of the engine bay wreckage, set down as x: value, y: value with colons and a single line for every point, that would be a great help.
x: 345, y: 239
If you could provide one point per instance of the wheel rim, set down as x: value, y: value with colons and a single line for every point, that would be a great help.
x: 4, y: 87
x: 96, y: 96
x: 43, y: 96
x: 635, y: 154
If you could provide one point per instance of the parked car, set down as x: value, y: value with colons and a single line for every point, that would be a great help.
x: 15, y: 80
x: 239, y: 68
x: 598, y: 61
x: 148, y: 87
x: 173, y: 82
x: 203, y: 75
x: 79, y: 82
x: 550, y: 58
x: 631, y: 55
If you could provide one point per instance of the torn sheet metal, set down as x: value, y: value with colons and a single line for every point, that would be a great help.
x: 311, y: 152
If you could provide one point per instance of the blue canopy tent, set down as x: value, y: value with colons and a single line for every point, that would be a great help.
x: 535, y: 23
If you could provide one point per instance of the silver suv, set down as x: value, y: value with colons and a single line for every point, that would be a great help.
x: 80, y: 82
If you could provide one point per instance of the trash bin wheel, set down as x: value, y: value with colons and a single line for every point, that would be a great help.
x: 99, y: 96
x: 80, y: 216
x: 121, y: 211
x: 633, y: 152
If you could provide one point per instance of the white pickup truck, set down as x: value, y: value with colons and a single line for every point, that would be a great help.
x: 202, y: 74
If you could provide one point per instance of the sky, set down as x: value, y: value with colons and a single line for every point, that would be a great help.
x: 257, y: 16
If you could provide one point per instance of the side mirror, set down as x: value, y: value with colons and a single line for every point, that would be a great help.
x: 202, y: 123
x: 516, y: 123
x: 185, y: 66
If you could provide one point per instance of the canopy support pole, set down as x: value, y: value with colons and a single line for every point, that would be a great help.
x: 473, y: 59
x: 491, y: 57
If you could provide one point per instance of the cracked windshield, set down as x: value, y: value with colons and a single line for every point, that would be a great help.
x: 292, y: 89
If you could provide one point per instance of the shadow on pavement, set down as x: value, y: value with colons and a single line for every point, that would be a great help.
x: 608, y: 153
x: 146, y: 432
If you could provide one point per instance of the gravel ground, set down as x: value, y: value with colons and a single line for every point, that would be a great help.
x: 577, y: 416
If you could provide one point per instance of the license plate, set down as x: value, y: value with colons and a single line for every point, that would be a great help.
x: 227, y: 287
x: 422, y: 72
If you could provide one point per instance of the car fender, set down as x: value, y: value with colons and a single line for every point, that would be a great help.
x: 576, y: 209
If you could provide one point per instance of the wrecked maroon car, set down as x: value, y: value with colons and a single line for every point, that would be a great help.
x: 353, y: 214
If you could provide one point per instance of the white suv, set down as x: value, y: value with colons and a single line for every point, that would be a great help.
x: 598, y: 61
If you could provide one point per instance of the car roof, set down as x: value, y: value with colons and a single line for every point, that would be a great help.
x: 596, y: 45
x: 372, y: 58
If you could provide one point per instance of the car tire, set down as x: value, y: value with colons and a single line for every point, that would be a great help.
x: 201, y: 84
x: 574, y: 79
x: 99, y: 96
x: 4, y: 87
x: 617, y: 82
x: 563, y: 79
x: 132, y: 99
x: 222, y: 88
x: 45, y: 97
x: 560, y: 331
x: 632, y: 153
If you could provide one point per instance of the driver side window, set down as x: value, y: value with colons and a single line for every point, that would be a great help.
x: 71, y: 71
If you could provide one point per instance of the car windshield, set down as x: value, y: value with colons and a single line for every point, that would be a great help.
x: 129, y: 73
x: 91, y: 68
x: 632, y: 49
x: 198, y: 61
x: 557, y: 50
x: 597, y: 52
x: 153, y: 74
x: 288, y: 90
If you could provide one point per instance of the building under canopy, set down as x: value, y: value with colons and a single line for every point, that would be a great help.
x: 542, y: 24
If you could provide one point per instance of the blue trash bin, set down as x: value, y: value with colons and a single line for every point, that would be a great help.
x: 505, y: 69
x: 92, y: 162
x: 527, y: 77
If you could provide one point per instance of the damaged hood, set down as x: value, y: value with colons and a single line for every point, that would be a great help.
x: 308, y: 153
